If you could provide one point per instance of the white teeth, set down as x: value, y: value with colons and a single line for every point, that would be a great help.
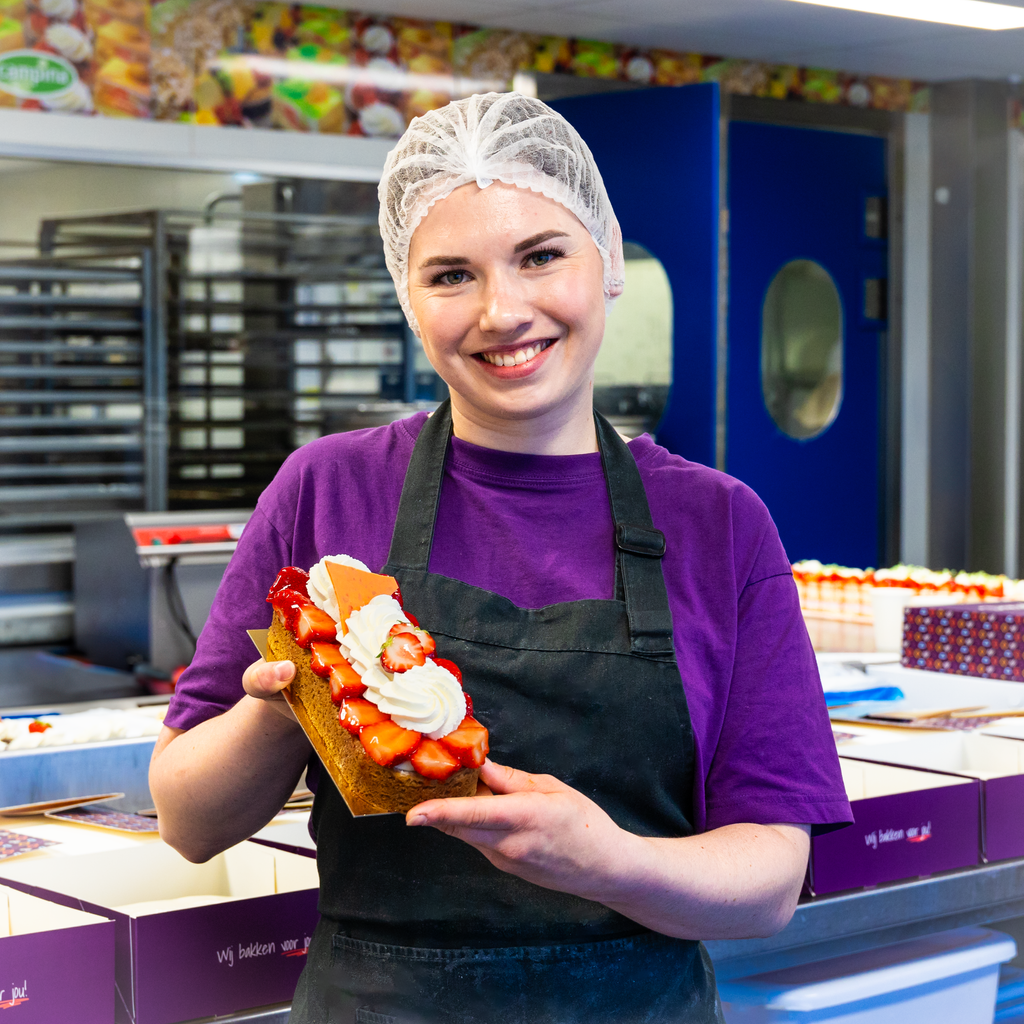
x: 523, y: 355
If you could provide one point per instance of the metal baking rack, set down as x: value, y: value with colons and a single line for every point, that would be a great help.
x: 266, y: 331
x: 73, y: 385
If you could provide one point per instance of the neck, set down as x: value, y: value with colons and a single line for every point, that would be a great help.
x: 567, y: 429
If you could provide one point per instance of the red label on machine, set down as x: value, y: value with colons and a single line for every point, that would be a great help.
x: 149, y: 536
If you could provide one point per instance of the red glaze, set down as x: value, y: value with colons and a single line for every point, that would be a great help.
x: 289, y: 603
x: 323, y: 656
x: 387, y: 742
x: 469, y: 704
x: 397, y: 595
x: 290, y: 577
x: 355, y: 713
x: 345, y: 682
x: 432, y: 761
x: 313, y: 624
x: 412, y: 618
x: 452, y: 667
x: 401, y: 652
x: 468, y: 743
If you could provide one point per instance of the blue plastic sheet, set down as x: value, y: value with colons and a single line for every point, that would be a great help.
x: 838, y: 698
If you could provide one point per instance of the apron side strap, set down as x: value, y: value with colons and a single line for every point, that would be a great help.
x: 640, y: 547
x: 417, y: 509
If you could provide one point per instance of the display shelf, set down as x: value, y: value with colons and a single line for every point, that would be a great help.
x: 848, y: 922
x: 134, y: 142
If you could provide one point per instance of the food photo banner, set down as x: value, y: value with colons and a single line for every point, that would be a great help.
x: 300, y: 68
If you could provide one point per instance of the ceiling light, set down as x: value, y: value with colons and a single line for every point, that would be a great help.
x: 965, y: 13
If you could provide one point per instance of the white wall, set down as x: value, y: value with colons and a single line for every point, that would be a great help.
x: 31, y: 190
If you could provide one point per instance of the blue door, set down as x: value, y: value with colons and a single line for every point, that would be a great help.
x: 806, y: 316
x: 657, y: 150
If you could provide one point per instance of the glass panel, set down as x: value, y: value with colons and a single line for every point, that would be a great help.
x: 634, y: 366
x: 802, y: 349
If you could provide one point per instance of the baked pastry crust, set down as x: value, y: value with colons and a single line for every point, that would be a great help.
x: 367, y: 787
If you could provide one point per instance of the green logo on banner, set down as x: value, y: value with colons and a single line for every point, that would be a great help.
x: 32, y: 74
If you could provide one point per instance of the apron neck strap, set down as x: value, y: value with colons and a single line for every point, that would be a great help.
x: 639, y: 545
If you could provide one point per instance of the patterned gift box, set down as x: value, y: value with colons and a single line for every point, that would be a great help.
x: 967, y: 639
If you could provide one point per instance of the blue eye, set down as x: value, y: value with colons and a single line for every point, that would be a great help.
x: 451, y: 277
x: 543, y: 257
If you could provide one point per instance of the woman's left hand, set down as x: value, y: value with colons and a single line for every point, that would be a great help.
x: 539, y: 829
x: 736, y: 881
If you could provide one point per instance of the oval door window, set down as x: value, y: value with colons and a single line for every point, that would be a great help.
x: 633, y: 371
x: 802, y: 349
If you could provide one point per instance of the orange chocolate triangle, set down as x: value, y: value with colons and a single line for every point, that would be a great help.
x: 353, y: 588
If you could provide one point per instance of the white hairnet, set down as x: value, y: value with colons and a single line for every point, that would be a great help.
x: 485, y: 138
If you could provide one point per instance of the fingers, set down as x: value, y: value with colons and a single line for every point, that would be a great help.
x: 266, y: 679
x: 499, y: 778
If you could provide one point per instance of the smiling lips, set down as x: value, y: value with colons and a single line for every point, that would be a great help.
x: 516, y: 357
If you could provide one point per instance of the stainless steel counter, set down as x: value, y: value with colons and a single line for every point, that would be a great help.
x: 847, y: 922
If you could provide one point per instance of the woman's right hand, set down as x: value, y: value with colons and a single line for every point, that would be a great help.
x: 265, y: 680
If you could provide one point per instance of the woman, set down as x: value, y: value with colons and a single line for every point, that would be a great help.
x: 626, y: 622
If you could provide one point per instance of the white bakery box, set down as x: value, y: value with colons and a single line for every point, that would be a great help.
x: 53, y: 957
x: 996, y: 762
x: 190, y: 940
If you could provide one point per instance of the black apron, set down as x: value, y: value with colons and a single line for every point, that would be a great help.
x: 417, y: 926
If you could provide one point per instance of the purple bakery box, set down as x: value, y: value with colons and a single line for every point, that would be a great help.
x: 191, y: 940
x: 997, y: 763
x: 907, y: 824
x: 52, y: 958
x: 984, y: 639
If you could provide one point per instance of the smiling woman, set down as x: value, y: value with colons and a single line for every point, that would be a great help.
x: 514, y: 323
x: 626, y: 621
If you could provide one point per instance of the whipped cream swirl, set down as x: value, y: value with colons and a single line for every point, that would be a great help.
x: 426, y: 698
x: 368, y: 628
x: 320, y: 588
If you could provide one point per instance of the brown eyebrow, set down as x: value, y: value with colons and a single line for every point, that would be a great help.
x: 445, y: 261
x: 537, y: 239
x: 461, y: 261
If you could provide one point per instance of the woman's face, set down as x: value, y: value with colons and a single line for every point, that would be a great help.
x: 507, y: 286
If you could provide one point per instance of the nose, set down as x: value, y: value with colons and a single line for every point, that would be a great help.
x: 506, y: 307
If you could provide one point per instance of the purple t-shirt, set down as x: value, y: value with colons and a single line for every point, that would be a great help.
x: 537, y: 529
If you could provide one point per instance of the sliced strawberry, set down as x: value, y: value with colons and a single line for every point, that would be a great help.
x: 432, y: 761
x: 324, y: 656
x: 425, y: 639
x: 401, y: 652
x: 387, y: 742
x: 345, y: 682
x: 468, y: 743
x: 355, y: 713
x: 289, y: 603
x: 38, y: 726
x: 452, y: 667
x: 313, y: 624
x: 291, y: 578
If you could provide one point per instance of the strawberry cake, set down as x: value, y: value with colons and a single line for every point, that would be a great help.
x: 388, y: 718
